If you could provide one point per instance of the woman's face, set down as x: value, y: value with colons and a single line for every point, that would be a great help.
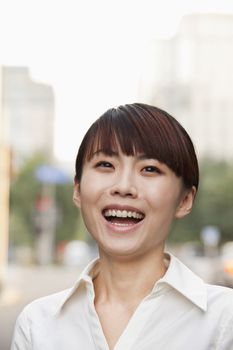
x: 129, y: 202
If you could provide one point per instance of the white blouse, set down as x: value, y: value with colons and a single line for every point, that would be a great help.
x: 181, y: 312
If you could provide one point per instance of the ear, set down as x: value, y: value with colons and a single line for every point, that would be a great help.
x: 186, y: 203
x: 76, y: 195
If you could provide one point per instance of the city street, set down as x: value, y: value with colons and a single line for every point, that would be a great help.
x: 24, y: 284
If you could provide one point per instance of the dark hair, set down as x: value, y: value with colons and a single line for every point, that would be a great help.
x: 141, y: 128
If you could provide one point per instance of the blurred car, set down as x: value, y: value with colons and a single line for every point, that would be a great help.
x: 225, y: 271
x: 76, y: 253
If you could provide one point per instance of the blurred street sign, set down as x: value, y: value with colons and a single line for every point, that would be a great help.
x: 51, y: 175
x: 210, y: 236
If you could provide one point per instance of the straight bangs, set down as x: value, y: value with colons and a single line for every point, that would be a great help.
x: 136, y: 129
x: 131, y: 133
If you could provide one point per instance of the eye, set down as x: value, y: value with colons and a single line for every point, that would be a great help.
x: 103, y: 164
x: 151, y: 169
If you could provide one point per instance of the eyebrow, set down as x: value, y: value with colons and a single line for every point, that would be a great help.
x: 106, y: 153
x: 143, y: 157
x: 111, y: 153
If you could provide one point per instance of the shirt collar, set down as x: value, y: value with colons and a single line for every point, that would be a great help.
x: 177, y: 276
x: 182, y: 279
x: 89, y: 272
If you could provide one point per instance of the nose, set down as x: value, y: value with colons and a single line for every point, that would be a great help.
x: 124, y: 186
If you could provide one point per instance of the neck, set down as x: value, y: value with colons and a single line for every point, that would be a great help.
x: 127, y: 281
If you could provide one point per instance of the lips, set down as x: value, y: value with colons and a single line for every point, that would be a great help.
x: 122, y: 215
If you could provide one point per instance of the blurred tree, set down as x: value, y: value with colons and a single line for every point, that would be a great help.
x: 69, y: 224
x: 213, y: 205
x: 24, y: 191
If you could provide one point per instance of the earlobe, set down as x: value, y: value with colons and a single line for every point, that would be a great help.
x: 186, y: 203
x: 76, y: 195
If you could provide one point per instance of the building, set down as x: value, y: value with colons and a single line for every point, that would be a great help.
x: 191, y: 76
x: 28, y: 108
x: 4, y: 194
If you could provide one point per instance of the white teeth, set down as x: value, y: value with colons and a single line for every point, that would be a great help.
x: 123, y: 213
x: 119, y: 213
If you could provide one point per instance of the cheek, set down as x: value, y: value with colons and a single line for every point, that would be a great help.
x: 164, y: 195
x: 88, y: 185
x: 91, y: 189
x: 91, y: 179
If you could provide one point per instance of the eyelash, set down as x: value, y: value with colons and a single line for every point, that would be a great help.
x: 153, y: 169
x: 148, y: 169
x: 103, y: 164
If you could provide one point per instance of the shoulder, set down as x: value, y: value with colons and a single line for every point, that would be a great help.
x: 220, y: 299
x: 220, y: 311
x: 221, y: 293
x: 38, y: 314
x: 44, y: 307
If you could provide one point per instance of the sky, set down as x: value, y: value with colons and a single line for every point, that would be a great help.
x: 91, y: 52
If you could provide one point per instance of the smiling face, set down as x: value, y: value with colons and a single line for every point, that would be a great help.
x: 129, y: 202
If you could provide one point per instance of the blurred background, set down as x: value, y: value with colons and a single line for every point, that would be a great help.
x: 64, y: 63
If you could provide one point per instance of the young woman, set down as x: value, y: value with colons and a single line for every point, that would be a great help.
x: 136, y: 172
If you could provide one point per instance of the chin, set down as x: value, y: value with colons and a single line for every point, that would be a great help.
x: 120, y: 252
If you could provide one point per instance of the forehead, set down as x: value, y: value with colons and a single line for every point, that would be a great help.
x: 114, y: 147
x: 130, y: 142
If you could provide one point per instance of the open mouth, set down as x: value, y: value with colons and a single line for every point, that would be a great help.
x: 123, y: 217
